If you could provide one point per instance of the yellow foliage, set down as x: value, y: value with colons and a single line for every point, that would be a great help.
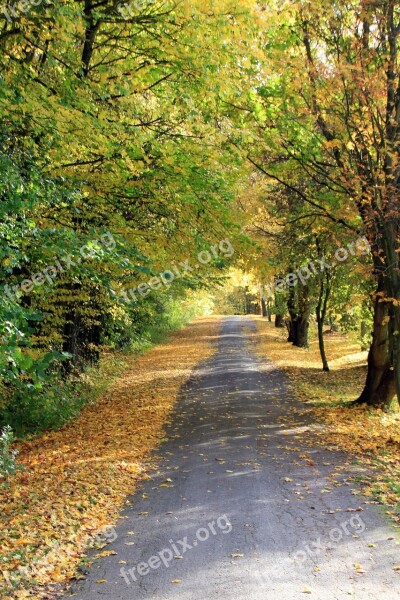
x: 76, y: 480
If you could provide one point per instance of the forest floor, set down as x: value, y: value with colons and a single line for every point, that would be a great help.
x: 371, y: 435
x: 75, y: 480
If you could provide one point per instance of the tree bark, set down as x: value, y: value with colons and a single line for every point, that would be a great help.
x: 379, y: 389
x: 269, y: 311
x: 301, y: 331
x: 299, y: 310
x: 324, y: 294
x: 264, y: 311
x: 279, y: 312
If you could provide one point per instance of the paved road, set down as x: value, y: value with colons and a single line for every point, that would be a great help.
x: 237, y: 509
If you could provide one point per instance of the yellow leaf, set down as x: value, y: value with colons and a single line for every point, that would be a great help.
x: 105, y: 553
x: 359, y: 568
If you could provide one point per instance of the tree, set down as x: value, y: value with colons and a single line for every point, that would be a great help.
x: 114, y: 120
x: 333, y: 112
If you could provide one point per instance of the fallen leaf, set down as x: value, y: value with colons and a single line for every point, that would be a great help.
x: 359, y: 568
x: 105, y: 553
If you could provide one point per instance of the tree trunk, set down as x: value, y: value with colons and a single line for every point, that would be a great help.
x: 321, y: 342
x: 291, y: 326
x: 301, y: 331
x: 324, y: 293
x: 395, y: 348
x: 279, y: 311
x: 379, y: 389
x: 299, y: 310
x: 264, y: 311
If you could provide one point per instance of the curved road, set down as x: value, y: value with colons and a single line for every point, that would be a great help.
x: 237, y: 509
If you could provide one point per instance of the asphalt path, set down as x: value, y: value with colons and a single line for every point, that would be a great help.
x: 239, y: 507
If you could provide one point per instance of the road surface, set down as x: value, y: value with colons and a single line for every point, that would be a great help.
x: 238, y: 508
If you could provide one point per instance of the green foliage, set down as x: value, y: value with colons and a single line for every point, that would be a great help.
x: 115, y: 123
x: 8, y: 465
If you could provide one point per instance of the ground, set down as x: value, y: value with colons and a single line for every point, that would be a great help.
x: 239, y: 506
x: 75, y: 480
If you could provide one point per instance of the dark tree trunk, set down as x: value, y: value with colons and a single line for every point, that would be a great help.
x: 333, y: 325
x: 279, y: 312
x: 269, y: 311
x: 379, y: 387
x: 291, y: 326
x: 81, y: 334
x: 299, y: 310
x: 395, y: 347
x: 90, y: 36
x: 324, y: 294
x: 279, y: 321
x: 321, y: 343
x: 291, y: 323
x: 301, y: 331
x: 264, y: 310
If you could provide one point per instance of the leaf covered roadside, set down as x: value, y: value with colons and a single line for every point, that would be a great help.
x: 371, y: 435
x: 75, y: 480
